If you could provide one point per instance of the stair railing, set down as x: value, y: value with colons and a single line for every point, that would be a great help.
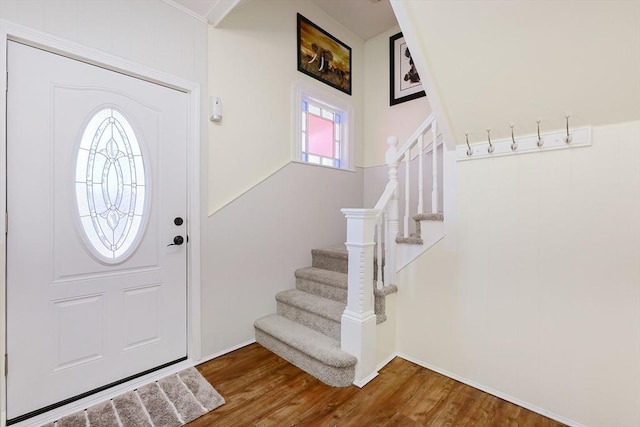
x: 358, y: 323
x: 388, y: 224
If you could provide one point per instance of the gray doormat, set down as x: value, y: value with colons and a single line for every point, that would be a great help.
x: 171, y: 401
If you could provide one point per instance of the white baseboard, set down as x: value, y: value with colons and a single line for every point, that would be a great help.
x: 225, y: 351
x: 492, y: 391
x: 365, y: 381
x: 386, y: 361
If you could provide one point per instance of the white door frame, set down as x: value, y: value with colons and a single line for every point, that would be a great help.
x: 11, y: 31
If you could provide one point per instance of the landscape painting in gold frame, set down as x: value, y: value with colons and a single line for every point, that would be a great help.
x: 322, y: 56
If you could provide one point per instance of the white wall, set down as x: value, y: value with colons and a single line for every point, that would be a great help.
x: 383, y: 120
x: 260, y: 239
x: 252, y: 67
x: 266, y: 213
x: 493, y: 63
x: 541, y: 302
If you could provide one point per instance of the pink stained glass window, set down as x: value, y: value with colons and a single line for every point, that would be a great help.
x: 321, y: 133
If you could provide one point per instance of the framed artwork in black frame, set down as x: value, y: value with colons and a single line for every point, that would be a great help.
x: 322, y: 56
x: 404, y: 83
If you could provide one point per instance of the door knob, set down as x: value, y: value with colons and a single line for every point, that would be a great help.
x: 177, y: 241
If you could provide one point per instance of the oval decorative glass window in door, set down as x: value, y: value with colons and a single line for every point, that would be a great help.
x: 110, y: 185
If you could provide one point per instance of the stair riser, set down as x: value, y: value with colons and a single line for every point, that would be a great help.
x: 330, y: 263
x: 337, y: 377
x: 337, y: 264
x: 379, y: 304
x: 310, y: 320
x: 322, y: 290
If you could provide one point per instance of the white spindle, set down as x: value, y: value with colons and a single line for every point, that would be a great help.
x: 407, y: 186
x: 387, y: 246
x: 379, y: 243
x: 420, y: 174
x: 434, y: 154
x: 393, y: 223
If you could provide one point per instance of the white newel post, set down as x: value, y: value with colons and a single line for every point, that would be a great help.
x: 358, y: 331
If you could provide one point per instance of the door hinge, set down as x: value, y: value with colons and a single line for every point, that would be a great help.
x: 6, y: 223
x: 6, y: 364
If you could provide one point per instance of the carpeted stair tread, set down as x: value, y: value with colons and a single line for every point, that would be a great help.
x: 410, y: 240
x: 306, y: 340
x: 323, y: 307
x: 327, y: 277
x: 429, y: 217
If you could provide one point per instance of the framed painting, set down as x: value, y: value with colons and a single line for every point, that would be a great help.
x: 322, y: 56
x: 404, y: 82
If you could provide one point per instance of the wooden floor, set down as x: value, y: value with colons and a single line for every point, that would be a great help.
x: 261, y: 389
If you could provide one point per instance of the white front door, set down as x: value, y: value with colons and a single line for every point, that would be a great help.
x: 96, y: 198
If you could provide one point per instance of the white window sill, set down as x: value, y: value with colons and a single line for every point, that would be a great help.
x: 324, y: 166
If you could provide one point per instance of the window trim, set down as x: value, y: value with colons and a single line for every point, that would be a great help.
x: 303, y: 91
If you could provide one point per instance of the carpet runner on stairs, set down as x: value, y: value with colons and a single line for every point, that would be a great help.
x: 306, y: 328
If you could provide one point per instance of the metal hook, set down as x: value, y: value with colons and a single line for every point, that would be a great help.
x: 469, y: 151
x: 514, y: 144
x: 568, y: 138
x: 490, y: 149
x: 540, y: 142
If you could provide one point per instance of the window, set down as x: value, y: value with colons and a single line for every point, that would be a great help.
x: 110, y: 185
x: 322, y: 129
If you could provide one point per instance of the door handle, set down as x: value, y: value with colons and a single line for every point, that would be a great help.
x: 177, y: 241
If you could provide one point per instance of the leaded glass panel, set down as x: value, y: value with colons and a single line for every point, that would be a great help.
x: 110, y: 185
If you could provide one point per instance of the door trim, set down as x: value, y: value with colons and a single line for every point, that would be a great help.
x: 37, y: 39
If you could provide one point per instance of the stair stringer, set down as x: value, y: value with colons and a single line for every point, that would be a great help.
x: 431, y: 233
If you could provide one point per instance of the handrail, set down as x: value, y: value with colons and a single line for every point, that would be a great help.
x: 387, y: 219
x: 372, y: 237
x: 385, y: 197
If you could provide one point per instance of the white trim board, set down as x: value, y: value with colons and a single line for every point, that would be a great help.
x: 225, y: 351
x: 187, y: 11
x: 491, y: 391
x: 11, y: 31
x: 525, y: 144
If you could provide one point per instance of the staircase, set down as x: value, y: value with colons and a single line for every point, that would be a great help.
x: 306, y: 330
x: 327, y: 325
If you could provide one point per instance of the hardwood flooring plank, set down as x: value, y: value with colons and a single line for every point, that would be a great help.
x: 263, y: 390
x: 361, y: 408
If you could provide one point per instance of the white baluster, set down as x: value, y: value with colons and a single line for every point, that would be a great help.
x: 379, y: 243
x: 434, y: 153
x: 420, y: 173
x: 407, y: 186
x: 393, y: 223
x: 387, y: 257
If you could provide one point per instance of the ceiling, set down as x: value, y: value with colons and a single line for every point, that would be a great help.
x: 365, y: 18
